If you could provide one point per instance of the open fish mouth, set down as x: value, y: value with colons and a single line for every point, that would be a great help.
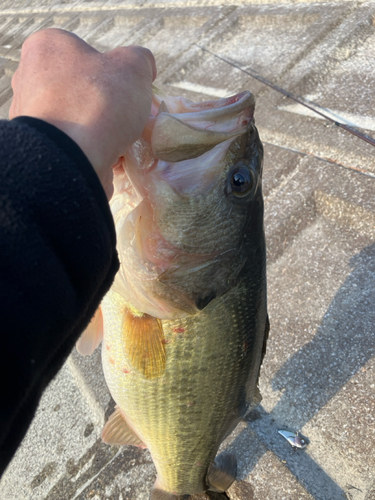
x: 183, y: 130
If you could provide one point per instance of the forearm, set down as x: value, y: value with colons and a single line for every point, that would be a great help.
x: 57, y: 260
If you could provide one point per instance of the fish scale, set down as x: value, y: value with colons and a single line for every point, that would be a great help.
x: 183, y: 416
x: 198, y: 232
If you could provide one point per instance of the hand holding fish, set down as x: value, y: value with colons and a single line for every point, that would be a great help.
x: 101, y: 101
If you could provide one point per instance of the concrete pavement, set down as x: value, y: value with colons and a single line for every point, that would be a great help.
x: 319, y: 372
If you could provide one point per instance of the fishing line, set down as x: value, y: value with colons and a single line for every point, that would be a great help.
x: 321, y: 158
x: 299, y: 100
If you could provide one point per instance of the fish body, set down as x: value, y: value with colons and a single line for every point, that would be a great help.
x: 185, y: 323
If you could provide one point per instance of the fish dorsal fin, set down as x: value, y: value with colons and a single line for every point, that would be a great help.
x: 222, y: 472
x: 92, y: 336
x: 172, y: 140
x: 253, y: 396
x: 144, y: 343
x: 117, y: 431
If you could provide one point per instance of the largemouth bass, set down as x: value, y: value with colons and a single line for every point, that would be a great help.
x: 185, y: 323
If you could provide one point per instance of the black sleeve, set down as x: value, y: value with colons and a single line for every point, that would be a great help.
x: 57, y: 260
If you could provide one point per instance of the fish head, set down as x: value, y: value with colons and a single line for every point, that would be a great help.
x: 188, y: 205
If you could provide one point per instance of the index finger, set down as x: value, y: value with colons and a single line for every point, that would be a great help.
x: 150, y: 56
x: 137, y: 54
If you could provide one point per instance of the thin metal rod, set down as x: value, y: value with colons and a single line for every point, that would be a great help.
x: 260, y: 78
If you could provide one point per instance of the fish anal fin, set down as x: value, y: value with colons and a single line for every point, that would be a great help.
x: 92, y: 336
x: 222, y: 472
x: 144, y: 344
x: 117, y: 431
x: 212, y: 495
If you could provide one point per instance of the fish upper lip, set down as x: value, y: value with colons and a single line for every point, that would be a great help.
x: 221, y: 107
x: 182, y: 136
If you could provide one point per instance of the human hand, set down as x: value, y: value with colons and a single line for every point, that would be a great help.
x: 101, y: 101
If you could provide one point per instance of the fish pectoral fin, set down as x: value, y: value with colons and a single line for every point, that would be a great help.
x: 144, y: 344
x: 253, y: 395
x: 117, y: 431
x: 222, y: 472
x: 92, y: 336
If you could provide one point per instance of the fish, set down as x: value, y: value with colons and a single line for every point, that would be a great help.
x: 184, y: 326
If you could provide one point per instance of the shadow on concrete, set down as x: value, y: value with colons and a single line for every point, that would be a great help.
x: 343, y: 344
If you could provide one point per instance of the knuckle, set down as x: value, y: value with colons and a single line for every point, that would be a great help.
x: 143, y: 56
x: 43, y: 39
x: 35, y: 42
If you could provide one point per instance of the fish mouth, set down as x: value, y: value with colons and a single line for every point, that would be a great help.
x: 219, y: 108
x: 180, y: 105
x: 182, y: 160
x: 184, y: 130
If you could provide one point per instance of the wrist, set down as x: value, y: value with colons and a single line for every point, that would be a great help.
x: 89, y: 141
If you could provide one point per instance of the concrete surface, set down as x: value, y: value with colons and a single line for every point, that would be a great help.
x: 318, y: 376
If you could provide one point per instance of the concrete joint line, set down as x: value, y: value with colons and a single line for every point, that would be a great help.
x: 161, y: 5
x: 320, y: 158
x: 86, y: 390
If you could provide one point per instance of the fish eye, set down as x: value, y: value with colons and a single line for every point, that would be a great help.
x: 241, y: 180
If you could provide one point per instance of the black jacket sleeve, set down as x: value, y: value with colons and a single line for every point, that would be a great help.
x: 57, y: 260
